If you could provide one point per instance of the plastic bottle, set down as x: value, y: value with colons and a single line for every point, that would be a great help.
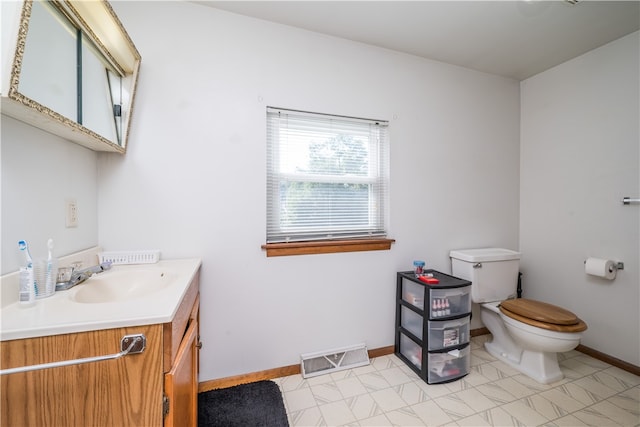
x: 27, y: 293
x: 418, y: 268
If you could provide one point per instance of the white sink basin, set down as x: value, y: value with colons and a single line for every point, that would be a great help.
x: 131, y: 295
x: 122, y: 285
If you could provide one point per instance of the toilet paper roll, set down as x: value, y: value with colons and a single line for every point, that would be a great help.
x: 604, y: 268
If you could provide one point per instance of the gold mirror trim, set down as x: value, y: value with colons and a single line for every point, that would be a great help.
x: 71, y: 124
x: 73, y: 130
x: 80, y: 22
x: 23, y: 28
x: 92, y: 17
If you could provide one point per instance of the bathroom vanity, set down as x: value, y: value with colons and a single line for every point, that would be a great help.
x: 432, y: 325
x: 153, y: 387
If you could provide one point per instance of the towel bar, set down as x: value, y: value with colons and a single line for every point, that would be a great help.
x: 130, y: 344
x: 629, y: 200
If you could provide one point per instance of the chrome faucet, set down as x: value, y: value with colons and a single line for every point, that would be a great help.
x: 79, y: 276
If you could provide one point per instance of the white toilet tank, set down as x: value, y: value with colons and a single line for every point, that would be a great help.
x: 493, y: 272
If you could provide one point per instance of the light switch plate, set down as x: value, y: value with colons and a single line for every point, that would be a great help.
x: 71, y: 213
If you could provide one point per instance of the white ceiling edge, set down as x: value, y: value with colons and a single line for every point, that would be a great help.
x: 514, y: 39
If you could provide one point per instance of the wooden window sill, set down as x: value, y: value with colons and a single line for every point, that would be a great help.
x: 327, y: 247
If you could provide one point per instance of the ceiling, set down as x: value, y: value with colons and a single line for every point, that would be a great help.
x: 515, y: 39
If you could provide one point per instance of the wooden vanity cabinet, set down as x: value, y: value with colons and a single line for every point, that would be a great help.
x: 119, y: 392
x: 180, y: 406
x: 154, y: 388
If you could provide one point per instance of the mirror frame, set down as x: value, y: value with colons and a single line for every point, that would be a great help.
x: 99, y: 22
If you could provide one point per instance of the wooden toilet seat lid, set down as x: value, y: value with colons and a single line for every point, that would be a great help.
x: 542, y: 315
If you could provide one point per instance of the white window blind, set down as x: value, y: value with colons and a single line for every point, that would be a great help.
x: 327, y: 176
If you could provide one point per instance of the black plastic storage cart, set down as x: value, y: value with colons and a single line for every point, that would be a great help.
x: 432, y: 325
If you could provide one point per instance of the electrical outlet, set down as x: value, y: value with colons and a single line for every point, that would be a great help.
x: 72, y: 213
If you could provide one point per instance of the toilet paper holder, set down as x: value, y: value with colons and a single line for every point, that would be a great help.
x: 615, y: 267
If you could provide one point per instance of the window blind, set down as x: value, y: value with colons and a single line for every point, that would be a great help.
x: 327, y: 176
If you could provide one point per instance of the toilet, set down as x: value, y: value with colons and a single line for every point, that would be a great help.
x: 527, y: 334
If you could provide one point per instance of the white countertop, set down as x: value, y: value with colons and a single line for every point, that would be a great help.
x: 61, y: 314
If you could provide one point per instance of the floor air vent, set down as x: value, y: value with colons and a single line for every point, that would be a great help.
x: 325, y: 362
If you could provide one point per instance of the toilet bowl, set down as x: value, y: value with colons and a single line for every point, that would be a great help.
x: 530, y: 349
x: 539, y: 325
x: 532, y: 337
x: 526, y: 334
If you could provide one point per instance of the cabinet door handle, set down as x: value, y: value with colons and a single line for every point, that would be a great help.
x: 130, y: 344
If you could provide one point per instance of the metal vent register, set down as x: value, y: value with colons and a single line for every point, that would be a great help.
x: 324, y: 362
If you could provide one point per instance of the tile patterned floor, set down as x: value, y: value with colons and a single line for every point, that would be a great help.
x: 388, y: 393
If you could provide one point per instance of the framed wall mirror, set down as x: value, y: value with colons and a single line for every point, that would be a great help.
x: 74, y: 70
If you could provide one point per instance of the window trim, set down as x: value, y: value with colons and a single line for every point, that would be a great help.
x: 326, y: 246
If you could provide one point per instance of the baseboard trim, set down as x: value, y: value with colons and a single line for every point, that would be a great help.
x: 382, y: 351
x: 270, y: 374
x: 479, y: 331
x: 286, y: 371
x: 613, y: 361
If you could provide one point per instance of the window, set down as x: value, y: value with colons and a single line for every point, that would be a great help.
x: 327, y: 177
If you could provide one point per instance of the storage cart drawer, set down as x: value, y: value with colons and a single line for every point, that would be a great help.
x: 413, y: 293
x: 411, y: 321
x: 411, y: 350
x: 449, y: 365
x: 448, y: 333
x: 449, y: 302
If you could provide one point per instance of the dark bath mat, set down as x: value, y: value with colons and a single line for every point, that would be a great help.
x: 246, y: 405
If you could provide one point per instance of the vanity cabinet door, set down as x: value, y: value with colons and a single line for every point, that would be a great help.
x: 112, y: 393
x: 181, y: 382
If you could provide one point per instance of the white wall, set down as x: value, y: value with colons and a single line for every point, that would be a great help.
x: 192, y: 183
x: 40, y: 172
x: 579, y: 157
